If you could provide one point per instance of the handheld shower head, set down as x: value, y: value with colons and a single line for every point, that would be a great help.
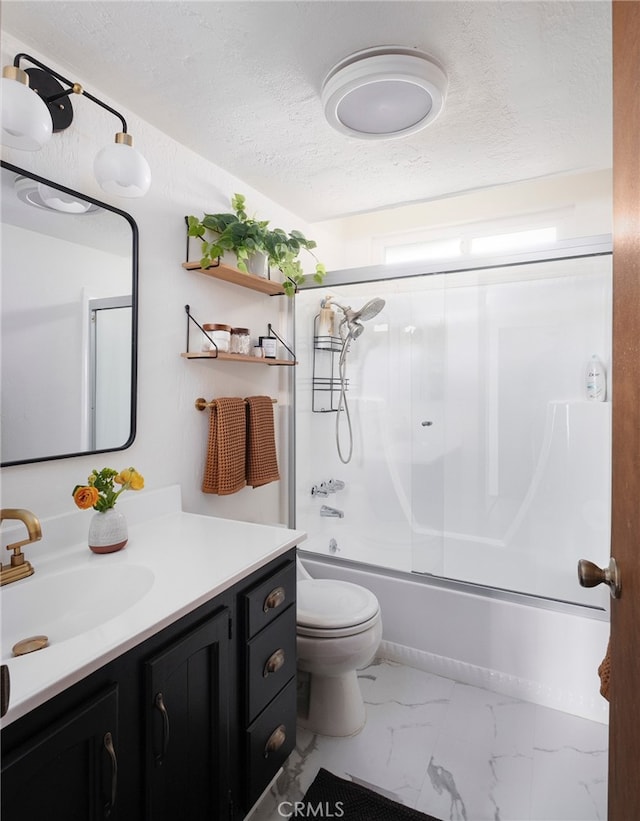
x: 369, y: 310
x: 353, y: 319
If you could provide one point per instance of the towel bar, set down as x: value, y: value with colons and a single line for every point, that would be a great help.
x: 202, y: 403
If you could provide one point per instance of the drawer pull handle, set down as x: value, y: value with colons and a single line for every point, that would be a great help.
x: 159, y: 702
x: 274, y: 663
x: 275, y: 740
x: 274, y: 599
x: 108, y: 745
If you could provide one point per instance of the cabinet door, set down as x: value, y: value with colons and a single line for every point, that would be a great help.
x: 69, y: 771
x: 187, y: 732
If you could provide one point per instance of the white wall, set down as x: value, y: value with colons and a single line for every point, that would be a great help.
x: 579, y: 205
x: 171, y: 438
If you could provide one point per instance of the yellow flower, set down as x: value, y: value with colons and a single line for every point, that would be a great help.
x: 130, y: 477
x: 100, y: 493
x: 85, y: 496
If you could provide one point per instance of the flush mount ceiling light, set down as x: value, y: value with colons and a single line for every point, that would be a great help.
x: 383, y: 92
x: 35, y: 104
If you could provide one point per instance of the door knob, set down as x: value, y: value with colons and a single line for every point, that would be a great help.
x: 589, y: 575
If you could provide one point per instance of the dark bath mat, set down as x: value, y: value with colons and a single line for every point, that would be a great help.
x: 344, y: 799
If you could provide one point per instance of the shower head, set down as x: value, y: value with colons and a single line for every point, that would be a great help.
x: 371, y: 309
x: 353, y: 319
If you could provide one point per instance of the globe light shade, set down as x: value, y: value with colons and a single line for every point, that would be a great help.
x: 121, y: 170
x: 26, y: 121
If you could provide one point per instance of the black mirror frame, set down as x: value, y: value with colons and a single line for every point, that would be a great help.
x: 134, y: 317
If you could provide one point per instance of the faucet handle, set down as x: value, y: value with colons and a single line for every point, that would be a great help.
x: 319, y: 490
x: 335, y: 484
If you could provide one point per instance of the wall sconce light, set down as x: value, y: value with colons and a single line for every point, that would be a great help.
x: 35, y: 104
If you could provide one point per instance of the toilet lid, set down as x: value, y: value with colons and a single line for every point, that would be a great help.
x: 329, y: 604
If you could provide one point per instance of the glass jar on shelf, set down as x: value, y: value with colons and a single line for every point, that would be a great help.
x: 220, y: 334
x: 241, y: 341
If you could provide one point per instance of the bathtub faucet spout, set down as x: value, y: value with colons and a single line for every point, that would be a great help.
x: 331, y: 512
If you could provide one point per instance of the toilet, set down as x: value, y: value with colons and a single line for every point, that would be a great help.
x: 339, y: 629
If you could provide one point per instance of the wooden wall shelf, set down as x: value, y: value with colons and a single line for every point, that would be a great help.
x: 237, y: 357
x: 228, y: 274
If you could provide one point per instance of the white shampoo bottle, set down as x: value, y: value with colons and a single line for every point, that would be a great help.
x: 596, y: 380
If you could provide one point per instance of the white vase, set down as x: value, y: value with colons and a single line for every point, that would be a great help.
x: 107, y: 531
x: 258, y: 264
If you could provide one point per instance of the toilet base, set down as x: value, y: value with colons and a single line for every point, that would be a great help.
x: 335, y: 706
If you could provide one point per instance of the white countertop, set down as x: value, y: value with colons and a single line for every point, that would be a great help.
x: 180, y: 560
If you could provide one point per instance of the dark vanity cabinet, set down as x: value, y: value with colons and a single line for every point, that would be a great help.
x: 69, y: 769
x: 187, y: 725
x: 191, y: 724
x: 268, y: 715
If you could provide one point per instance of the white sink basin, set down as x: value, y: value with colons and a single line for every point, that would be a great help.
x: 64, y: 605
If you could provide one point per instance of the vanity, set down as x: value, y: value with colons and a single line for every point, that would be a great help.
x: 168, y: 688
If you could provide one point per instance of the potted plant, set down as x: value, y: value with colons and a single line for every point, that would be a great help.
x: 245, y: 237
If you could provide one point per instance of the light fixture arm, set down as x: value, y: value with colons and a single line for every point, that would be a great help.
x: 74, y: 88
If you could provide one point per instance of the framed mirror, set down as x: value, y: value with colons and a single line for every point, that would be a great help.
x: 68, y: 322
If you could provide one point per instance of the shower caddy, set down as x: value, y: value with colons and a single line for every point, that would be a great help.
x: 325, y: 379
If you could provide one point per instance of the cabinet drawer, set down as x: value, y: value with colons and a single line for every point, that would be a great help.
x: 269, y: 741
x: 271, y: 661
x: 269, y: 598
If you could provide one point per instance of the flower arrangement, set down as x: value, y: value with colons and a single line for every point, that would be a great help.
x: 100, y: 493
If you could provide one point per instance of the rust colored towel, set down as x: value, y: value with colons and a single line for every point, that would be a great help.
x: 604, y: 671
x: 262, y: 461
x: 224, y: 471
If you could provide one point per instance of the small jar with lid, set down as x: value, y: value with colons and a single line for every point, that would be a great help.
x: 221, y: 335
x: 240, y: 341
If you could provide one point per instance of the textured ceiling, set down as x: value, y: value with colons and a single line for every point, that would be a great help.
x: 239, y: 82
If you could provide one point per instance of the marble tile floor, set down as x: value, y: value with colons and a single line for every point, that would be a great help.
x: 457, y: 752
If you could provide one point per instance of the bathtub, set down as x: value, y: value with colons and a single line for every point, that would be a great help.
x: 533, y: 649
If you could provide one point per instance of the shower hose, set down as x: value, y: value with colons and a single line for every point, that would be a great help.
x: 343, y: 405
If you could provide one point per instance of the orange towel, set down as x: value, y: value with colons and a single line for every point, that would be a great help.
x: 262, y: 460
x: 604, y: 671
x: 224, y: 471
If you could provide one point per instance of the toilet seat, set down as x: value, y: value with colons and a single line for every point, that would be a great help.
x: 327, y: 608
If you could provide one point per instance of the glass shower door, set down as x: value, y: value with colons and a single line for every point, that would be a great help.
x: 525, y: 456
x: 425, y: 335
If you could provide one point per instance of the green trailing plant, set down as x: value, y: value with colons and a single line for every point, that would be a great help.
x: 244, y: 236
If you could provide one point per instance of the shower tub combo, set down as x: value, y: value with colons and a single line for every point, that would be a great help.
x: 478, y: 471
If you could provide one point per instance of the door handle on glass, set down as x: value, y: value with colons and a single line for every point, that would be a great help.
x: 159, y: 702
x: 108, y: 745
x: 590, y: 575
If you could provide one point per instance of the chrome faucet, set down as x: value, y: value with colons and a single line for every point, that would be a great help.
x: 331, y: 512
x: 19, y: 567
